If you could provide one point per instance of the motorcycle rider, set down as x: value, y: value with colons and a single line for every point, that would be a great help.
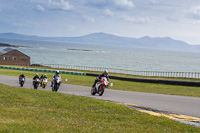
x: 56, y: 74
x: 41, y: 77
x: 21, y: 76
x: 35, y: 77
x: 104, y: 74
x: 45, y: 76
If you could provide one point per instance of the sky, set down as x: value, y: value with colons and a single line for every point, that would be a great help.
x: 178, y: 19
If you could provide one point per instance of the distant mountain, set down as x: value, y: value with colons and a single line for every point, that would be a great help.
x: 4, y: 45
x: 163, y: 43
x: 8, y: 45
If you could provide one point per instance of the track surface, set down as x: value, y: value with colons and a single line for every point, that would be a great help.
x: 184, y: 105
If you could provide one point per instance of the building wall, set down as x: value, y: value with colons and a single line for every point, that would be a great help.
x: 15, y: 58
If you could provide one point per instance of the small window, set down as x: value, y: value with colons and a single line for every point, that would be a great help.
x: 23, y: 59
x: 14, y: 58
x: 5, y: 58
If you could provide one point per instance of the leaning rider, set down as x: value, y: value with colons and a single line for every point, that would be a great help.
x: 104, y: 74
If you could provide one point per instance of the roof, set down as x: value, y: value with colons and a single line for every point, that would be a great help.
x: 6, y: 50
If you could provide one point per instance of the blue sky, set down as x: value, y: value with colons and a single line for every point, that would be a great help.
x: 178, y: 19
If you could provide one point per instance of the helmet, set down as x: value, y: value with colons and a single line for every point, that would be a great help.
x: 45, y: 75
x: 37, y: 74
x: 105, y: 72
x: 57, y: 72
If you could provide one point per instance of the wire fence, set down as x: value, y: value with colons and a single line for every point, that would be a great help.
x: 131, y: 72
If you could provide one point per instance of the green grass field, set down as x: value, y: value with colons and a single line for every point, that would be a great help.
x: 117, y: 84
x: 29, y: 110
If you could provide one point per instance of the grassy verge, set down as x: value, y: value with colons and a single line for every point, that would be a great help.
x: 28, y: 110
x: 117, y: 84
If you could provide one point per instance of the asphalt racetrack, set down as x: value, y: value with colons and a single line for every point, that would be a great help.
x: 183, y: 105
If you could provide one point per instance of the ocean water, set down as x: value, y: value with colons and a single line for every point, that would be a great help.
x: 108, y: 56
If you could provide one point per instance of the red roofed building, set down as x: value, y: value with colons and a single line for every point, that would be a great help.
x: 10, y: 56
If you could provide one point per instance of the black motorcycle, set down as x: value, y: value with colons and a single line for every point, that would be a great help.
x: 21, y: 81
x: 36, y: 83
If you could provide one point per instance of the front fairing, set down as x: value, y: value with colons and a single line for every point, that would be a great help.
x: 45, y: 80
x: 105, y: 81
x: 57, y: 81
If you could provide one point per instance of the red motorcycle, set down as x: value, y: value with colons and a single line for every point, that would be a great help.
x: 100, y: 86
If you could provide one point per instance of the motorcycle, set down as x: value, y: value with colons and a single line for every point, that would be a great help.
x: 56, y: 84
x: 44, y: 82
x: 36, y: 83
x: 100, y: 86
x: 21, y: 81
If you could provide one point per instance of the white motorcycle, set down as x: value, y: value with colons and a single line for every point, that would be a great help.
x: 100, y: 86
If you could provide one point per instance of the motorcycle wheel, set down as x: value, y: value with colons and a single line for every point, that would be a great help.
x: 43, y: 86
x: 52, y: 87
x: 21, y: 84
x: 93, y: 91
x: 101, y: 91
x: 56, y: 87
x: 35, y: 86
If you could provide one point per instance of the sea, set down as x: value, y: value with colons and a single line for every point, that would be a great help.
x: 116, y: 57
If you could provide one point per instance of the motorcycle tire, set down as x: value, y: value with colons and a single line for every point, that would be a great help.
x: 35, y: 86
x: 52, y: 87
x: 56, y: 87
x: 93, y: 91
x: 101, y: 91
x: 43, y: 86
x: 21, y: 84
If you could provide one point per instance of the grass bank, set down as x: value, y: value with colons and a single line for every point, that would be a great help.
x: 117, y: 84
x: 28, y: 110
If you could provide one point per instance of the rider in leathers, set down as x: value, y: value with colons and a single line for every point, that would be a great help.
x: 35, y: 77
x: 104, y: 74
x: 21, y: 76
x: 54, y: 76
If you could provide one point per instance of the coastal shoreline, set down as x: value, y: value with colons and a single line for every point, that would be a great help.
x: 11, y: 46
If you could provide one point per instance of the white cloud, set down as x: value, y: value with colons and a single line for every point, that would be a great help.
x: 40, y: 8
x: 194, y: 12
x: 89, y: 19
x: 124, y: 3
x: 136, y: 19
x: 63, y: 5
x: 108, y: 12
x: 196, y: 22
x: 153, y: 1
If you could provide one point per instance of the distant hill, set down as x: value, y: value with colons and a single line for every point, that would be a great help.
x: 162, y: 43
x: 4, y: 45
x: 7, y: 45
